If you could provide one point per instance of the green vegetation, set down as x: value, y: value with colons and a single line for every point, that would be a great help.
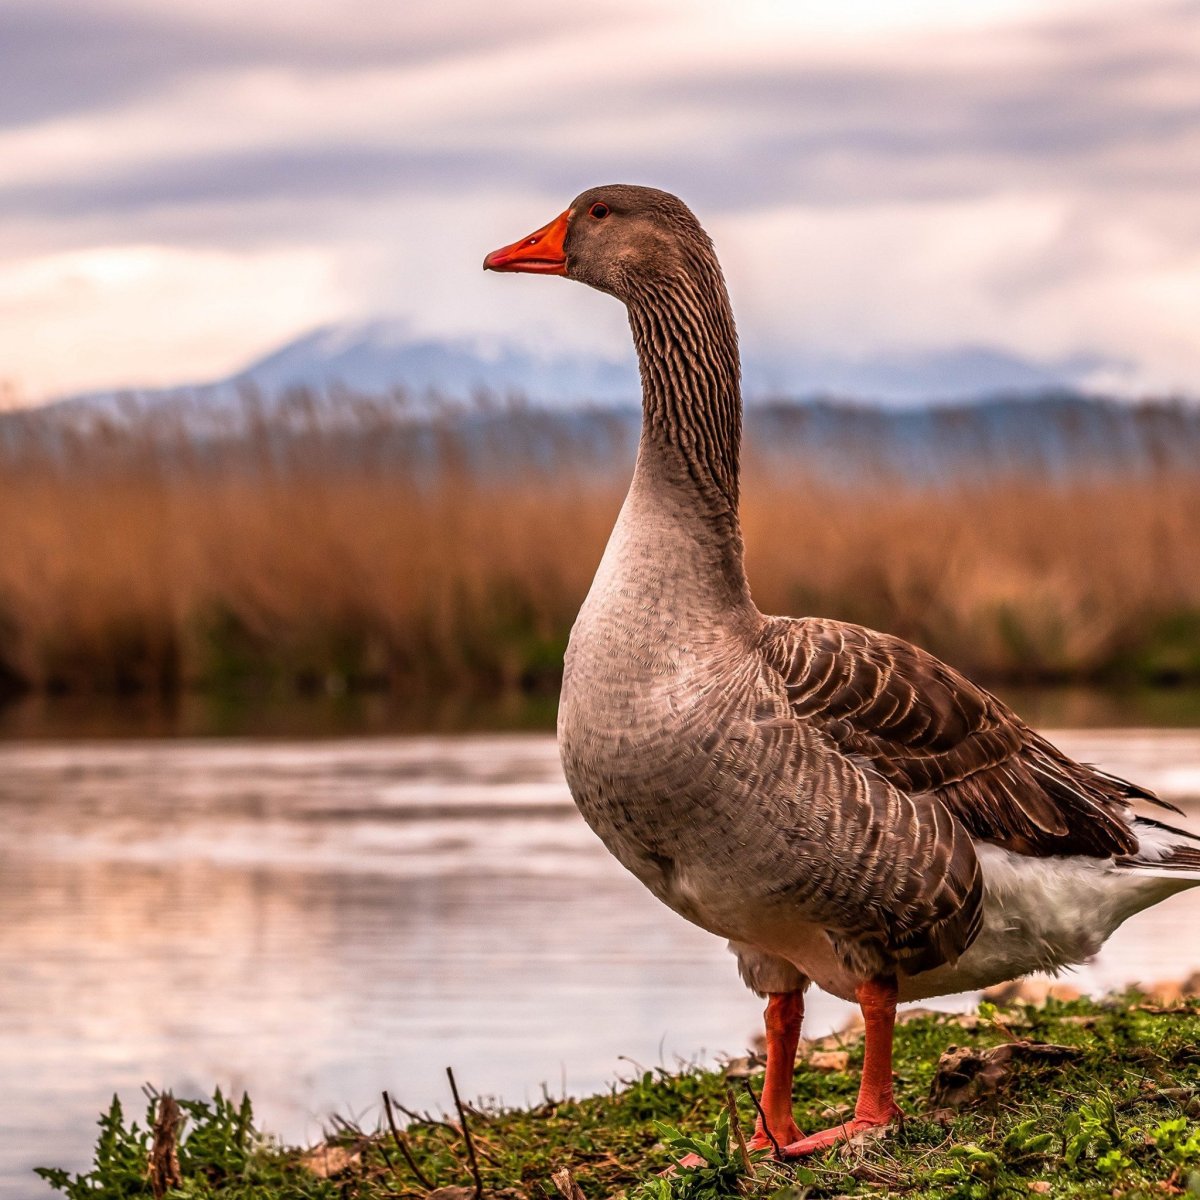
x: 1117, y: 1116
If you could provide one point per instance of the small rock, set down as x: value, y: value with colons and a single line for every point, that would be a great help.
x: 916, y: 1014
x: 1063, y: 992
x: 744, y: 1067
x: 1030, y: 991
x: 1040, y: 1186
x: 854, y: 1026
x: 833, y: 1041
x: 326, y: 1161
x: 1166, y: 993
x: 1002, y: 993
x: 829, y: 1060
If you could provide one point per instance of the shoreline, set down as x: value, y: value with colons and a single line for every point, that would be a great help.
x: 1099, y: 1099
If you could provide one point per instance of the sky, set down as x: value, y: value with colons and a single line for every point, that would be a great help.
x: 184, y: 187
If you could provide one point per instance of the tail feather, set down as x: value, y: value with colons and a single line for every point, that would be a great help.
x: 1165, y: 852
x: 1132, y: 791
x: 1180, y: 875
x: 1182, y: 858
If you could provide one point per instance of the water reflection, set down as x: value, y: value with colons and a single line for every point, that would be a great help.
x: 317, y: 921
x: 320, y: 716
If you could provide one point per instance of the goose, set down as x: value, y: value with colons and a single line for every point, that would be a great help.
x: 842, y: 807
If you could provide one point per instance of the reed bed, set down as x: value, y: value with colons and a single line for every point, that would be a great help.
x: 357, y: 545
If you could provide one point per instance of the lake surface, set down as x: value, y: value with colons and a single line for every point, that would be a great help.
x: 316, y: 921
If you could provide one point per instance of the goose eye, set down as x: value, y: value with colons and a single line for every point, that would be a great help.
x: 599, y: 210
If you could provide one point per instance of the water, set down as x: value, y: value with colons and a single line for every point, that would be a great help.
x: 316, y: 921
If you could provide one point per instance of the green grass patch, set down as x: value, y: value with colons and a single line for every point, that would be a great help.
x: 1120, y: 1119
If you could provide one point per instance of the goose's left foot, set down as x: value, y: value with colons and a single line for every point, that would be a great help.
x: 839, y: 1133
x: 876, y: 1107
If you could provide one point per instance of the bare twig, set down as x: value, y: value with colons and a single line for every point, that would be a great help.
x: 387, y: 1158
x: 736, y: 1124
x: 425, y: 1118
x: 762, y: 1116
x: 402, y: 1145
x: 466, y: 1132
x: 163, y: 1169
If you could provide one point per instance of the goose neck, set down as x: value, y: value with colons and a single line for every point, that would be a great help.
x: 691, y: 388
x: 686, y: 477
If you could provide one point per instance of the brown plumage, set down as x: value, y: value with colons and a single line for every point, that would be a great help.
x: 926, y: 728
x: 839, y: 804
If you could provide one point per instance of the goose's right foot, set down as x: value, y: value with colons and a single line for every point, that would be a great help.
x: 785, y: 1011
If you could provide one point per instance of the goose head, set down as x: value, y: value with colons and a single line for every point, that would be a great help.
x: 620, y: 239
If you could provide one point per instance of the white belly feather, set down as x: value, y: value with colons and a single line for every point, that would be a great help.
x: 1044, y: 914
x: 1039, y: 915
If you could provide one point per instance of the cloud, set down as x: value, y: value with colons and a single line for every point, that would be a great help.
x: 57, y: 58
x: 145, y: 315
x: 65, y: 56
x: 1112, y: 103
x: 882, y: 178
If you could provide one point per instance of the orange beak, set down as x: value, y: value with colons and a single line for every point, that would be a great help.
x: 540, y: 253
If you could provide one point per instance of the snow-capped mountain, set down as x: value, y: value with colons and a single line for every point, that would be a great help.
x: 379, y: 356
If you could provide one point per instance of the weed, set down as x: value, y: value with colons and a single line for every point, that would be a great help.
x: 1093, y: 1127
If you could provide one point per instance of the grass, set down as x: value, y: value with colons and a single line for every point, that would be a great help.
x: 1121, y: 1119
x: 371, y: 552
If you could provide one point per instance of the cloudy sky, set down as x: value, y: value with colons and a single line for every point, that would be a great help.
x: 184, y: 186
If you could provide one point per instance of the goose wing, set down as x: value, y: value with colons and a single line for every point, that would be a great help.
x: 928, y: 730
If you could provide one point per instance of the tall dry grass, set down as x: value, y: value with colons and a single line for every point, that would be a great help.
x: 375, y: 551
x: 1010, y: 578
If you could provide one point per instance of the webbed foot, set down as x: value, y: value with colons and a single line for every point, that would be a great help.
x: 817, y: 1142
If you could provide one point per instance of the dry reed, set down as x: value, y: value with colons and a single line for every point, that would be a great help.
x: 377, y: 551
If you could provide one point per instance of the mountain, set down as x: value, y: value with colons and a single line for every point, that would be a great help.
x: 1052, y: 431
x: 380, y: 355
x: 377, y: 357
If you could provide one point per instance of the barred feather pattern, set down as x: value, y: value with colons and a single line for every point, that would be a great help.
x: 690, y: 378
x: 926, y: 728
x: 816, y: 792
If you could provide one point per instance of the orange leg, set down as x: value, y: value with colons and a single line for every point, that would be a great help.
x: 875, y: 1107
x: 785, y: 1011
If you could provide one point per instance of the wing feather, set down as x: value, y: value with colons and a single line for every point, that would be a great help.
x: 926, y: 729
